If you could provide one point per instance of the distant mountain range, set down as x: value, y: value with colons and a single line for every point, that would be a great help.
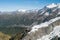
x: 30, y: 17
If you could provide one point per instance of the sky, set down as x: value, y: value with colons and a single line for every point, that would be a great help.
x: 12, y: 5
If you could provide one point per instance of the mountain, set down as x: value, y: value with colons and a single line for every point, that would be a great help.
x: 31, y: 24
x: 30, y: 17
x: 49, y: 13
x: 44, y: 29
x: 49, y: 29
x: 52, y: 5
x: 45, y: 24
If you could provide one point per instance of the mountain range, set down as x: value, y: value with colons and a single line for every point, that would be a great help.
x: 36, y: 24
x: 50, y: 28
x: 31, y: 17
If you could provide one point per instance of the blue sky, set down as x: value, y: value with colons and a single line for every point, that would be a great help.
x: 11, y: 5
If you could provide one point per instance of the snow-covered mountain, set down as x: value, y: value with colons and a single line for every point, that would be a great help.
x: 45, y: 31
x: 52, y: 5
x: 28, y: 11
x: 39, y: 16
x: 49, y: 9
x: 48, y: 29
x: 21, y: 10
x: 43, y: 23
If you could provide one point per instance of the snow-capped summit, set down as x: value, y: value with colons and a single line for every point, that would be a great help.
x: 28, y: 11
x: 21, y: 10
x: 52, y: 5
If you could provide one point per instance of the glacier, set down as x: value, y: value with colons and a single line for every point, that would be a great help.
x: 55, y: 32
x: 43, y: 31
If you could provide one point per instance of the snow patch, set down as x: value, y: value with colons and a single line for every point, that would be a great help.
x: 47, y: 14
x: 59, y: 13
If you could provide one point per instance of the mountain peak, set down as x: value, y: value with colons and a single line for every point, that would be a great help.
x: 21, y: 10
x: 52, y: 5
